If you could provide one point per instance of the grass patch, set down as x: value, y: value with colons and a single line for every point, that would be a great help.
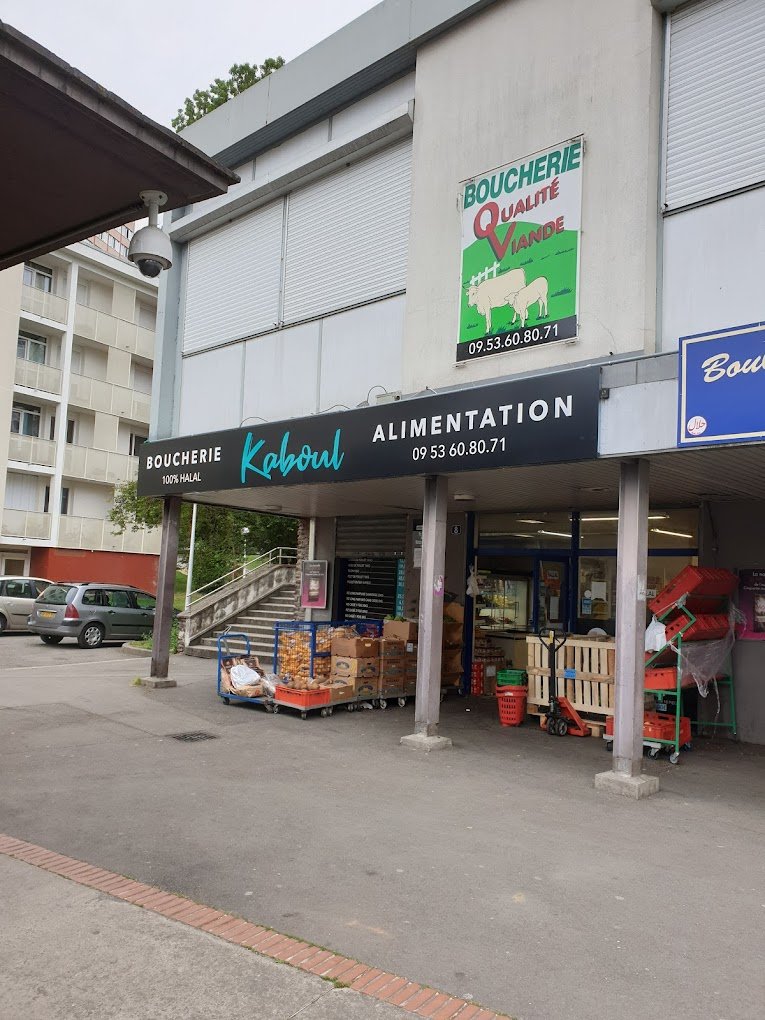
x: 147, y: 641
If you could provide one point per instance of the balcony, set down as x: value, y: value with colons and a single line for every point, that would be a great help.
x: 92, y: 533
x: 113, y: 332
x: 29, y: 450
x: 96, y: 395
x: 37, y: 377
x: 99, y: 466
x: 47, y: 306
x: 25, y: 524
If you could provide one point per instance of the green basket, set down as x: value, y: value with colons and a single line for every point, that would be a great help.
x: 511, y: 678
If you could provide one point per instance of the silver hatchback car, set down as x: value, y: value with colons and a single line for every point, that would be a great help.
x: 92, y: 613
x: 17, y: 597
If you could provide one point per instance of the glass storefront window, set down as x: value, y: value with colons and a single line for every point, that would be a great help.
x: 525, y: 530
x: 667, y: 529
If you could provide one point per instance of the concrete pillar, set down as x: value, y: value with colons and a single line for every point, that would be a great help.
x: 632, y: 564
x: 429, y: 643
x: 163, y: 617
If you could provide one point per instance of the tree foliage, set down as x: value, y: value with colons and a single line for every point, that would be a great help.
x: 219, y: 545
x: 241, y: 76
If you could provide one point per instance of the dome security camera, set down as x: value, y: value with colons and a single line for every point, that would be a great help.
x: 150, y: 247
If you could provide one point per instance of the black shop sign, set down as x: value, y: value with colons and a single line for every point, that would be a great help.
x: 544, y: 420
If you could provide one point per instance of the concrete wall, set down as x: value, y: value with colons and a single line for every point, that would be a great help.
x: 732, y: 536
x: 109, y: 567
x: 713, y: 260
x: 520, y: 77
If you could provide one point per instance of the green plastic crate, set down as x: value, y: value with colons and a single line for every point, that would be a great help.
x: 511, y: 678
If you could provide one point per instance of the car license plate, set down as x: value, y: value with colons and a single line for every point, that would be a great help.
x: 46, y: 616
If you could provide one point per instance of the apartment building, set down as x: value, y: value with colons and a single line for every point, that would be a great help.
x: 76, y: 353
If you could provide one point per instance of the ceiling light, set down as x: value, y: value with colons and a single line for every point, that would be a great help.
x: 463, y: 497
x: 596, y: 520
x: 528, y: 520
x: 558, y: 534
x: 674, y: 534
x: 271, y: 508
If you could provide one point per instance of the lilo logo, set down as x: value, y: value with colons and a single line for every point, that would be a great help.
x: 283, y: 462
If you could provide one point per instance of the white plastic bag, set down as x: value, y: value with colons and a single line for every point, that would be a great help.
x: 655, y: 636
x: 472, y: 585
x: 243, y: 676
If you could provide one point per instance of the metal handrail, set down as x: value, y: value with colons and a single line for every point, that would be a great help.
x: 274, y: 557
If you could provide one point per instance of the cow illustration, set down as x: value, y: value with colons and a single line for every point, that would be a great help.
x: 496, y: 292
x: 535, y: 292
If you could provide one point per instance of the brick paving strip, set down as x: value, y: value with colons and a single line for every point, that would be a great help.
x: 416, y: 999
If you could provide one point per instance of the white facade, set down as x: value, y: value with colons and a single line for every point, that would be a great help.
x: 77, y: 349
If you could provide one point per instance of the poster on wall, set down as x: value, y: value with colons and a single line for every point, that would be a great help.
x: 520, y: 253
x: 313, y: 584
x: 751, y: 602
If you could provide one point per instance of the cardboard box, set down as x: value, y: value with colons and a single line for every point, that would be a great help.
x: 341, y: 690
x: 356, y: 648
x: 392, y: 669
x: 452, y: 634
x: 367, y: 687
x: 410, y: 687
x: 400, y: 631
x: 347, y: 666
x: 391, y: 648
x: 455, y: 611
x: 410, y: 668
x: 451, y: 660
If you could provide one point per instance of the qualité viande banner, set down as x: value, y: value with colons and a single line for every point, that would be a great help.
x: 520, y: 253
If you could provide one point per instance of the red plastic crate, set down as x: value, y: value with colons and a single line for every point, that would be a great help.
x: 302, y: 699
x: 701, y: 581
x: 658, y: 726
x: 663, y: 678
x: 709, y: 627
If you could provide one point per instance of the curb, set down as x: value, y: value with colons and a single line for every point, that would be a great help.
x: 129, y: 649
x: 413, y: 998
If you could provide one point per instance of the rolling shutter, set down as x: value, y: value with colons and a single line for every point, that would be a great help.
x: 347, y: 236
x: 715, y: 112
x: 232, y: 280
x: 370, y: 537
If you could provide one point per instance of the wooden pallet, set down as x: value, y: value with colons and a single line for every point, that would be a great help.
x: 586, y: 655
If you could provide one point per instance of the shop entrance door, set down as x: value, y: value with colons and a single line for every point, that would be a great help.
x: 552, y: 592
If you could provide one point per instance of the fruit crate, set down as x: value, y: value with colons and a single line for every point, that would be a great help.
x: 301, y: 699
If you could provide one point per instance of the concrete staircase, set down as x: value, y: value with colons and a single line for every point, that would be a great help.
x: 257, y: 622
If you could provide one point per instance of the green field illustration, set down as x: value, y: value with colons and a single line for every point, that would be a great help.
x: 554, y: 259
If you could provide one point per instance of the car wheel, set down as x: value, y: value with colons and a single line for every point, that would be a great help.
x: 3, y: 623
x: 91, y: 636
x: 50, y: 639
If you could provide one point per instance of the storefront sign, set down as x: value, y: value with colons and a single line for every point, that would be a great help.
x: 313, y: 584
x: 545, y: 420
x: 722, y: 387
x: 751, y: 602
x: 520, y: 253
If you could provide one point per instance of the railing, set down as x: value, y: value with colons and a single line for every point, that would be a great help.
x: 25, y: 524
x: 99, y: 465
x: 38, y: 377
x: 29, y: 450
x: 114, y: 332
x: 47, y: 306
x: 281, y: 556
x: 97, y: 395
x: 96, y: 533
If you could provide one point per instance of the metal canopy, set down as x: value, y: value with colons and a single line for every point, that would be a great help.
x: 76, y: 156
x: 677, y: 479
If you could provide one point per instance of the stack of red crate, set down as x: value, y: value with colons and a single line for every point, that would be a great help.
x: 477, y: 678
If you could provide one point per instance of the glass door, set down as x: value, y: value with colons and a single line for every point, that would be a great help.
x: 552, y: 595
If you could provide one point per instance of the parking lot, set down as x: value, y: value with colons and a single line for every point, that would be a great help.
x: 27, y: 650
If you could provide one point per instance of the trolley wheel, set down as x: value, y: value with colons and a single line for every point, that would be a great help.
x: 561, y: 727
x: 551, y: 726
x: 402, y: 702
x: 674, y: 757
x: 441, y: 697
x: 303, y: 715
x: 268, y: 707
x: 275, y: 709
x: 688, y: 747
x: 227, y: 701
x: 609, y: 746
x: 383, y: 703
x: 350, y: 707
x: 653, y: 752
x: 376, y: 703
x: 324, y: 713
x: 330, y: 710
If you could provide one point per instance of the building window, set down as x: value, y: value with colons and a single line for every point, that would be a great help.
x: 39, y: 277
x: 112, y: 242
x: 83, y: 292
x: 136, y: 442
x: 64, y: 500
x: 25, y: 420
x: 31, y: 348
x: 70, y: 428
x: 52, y: 430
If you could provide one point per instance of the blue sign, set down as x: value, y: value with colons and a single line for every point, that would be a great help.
x: 722, y: 387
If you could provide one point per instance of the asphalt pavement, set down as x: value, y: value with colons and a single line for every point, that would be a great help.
x: 493, y: 871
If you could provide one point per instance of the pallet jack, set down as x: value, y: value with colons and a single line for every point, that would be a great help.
x: 562, y: 717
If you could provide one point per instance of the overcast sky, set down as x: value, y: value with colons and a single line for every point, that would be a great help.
x: 154, y: 53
